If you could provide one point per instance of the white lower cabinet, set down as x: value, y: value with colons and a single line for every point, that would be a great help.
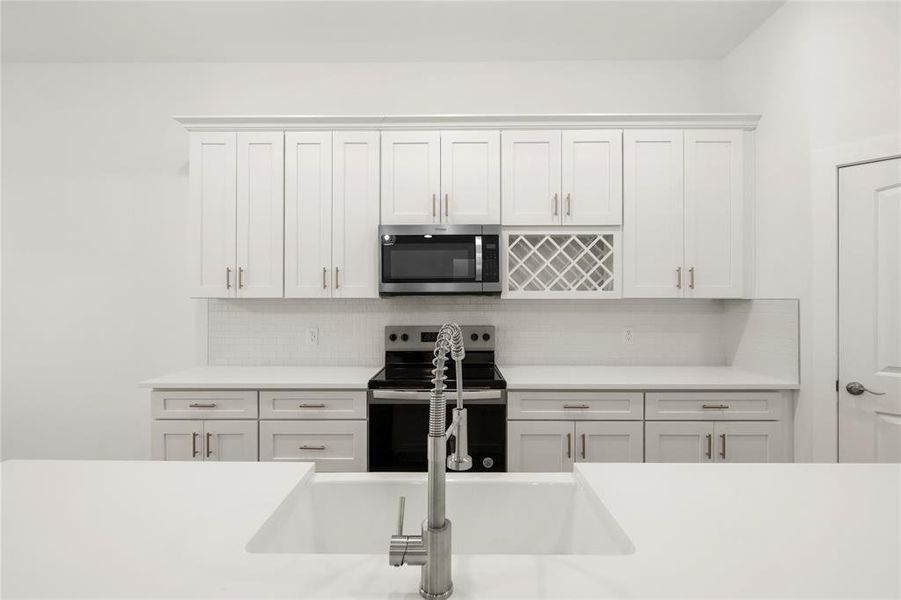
x: 224, y: 440
x: 543, y: 446
x: 728, y: 442
x: 332, y: 445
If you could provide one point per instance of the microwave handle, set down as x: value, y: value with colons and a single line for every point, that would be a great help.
x: 478, y: 258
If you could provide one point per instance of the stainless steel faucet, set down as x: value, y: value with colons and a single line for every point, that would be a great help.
x: 432, y: 548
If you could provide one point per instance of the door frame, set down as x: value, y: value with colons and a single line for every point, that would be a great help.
x: 819, y: 314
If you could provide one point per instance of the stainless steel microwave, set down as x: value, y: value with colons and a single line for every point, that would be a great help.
x: 439, y: 259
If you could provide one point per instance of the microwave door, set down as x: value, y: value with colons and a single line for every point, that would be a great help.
x: 431, y: 259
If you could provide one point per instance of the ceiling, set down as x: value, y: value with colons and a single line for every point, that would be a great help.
x: 374, y: 30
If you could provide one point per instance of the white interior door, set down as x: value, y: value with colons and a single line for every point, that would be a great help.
x: 609, y: 441
x: 540, y: 446
x: 678, y: 442
x: 592, y: 177
x: 530, y: 178
x: 308, y: 214
x: 714, y: 205
x: 355, y: 214
x: 652, y: 214
x: 470, y: 177
x: 869, y: 310
x: 230, y: 440
x: 411, y: 177
x: 260, y: 218
x: 212, y: 194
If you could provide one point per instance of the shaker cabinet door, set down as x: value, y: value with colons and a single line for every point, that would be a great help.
x: 540, y: 446
x: 230, y: 440
x: 176, y: 440
x: 592, y: 177
x: 748, y: 442
x: 530, y: 178
x: 679, y: 442
x: 470, y: 177
x: 609, y: 441
x: 411, y: 177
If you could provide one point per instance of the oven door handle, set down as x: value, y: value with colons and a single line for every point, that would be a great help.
x: 478, y: 258
x: 418, y: 397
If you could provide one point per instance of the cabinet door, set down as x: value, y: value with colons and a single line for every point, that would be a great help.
x: 308, y: 214
x: 748, y: 442
x: 176, y: 440
x: 690, y: 442
x: 230, y: 440
x: 530, y: 175
x: 331, y: 445
x: 470, y: 177
x: 714, y: 205
x: 540, y: 446
x: 592, y: 177
x: 212, y: 197
x: 261, y: 206
x: 609, y: 441
x: 652, y: 214
x: 411, y: 177
x: 355, y: 214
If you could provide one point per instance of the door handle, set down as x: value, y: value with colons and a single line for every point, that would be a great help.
x: 446, y: 204
x: 316, y: 405
x: 194, y: 435
x: 715, y: 406
x: 855, y: 388
x: 202, y: 405
x: 209, y: 450
x: 678, y: 278
x: 709, y: 453
x: 228, y: 278
x: 556, y: 202
x: 433, y: 206
x: 324, y: 275
x: 569, y: 445
x: 583, y: 446
x: 240, y: 278
x: 307, y: 447
x: 723, y: 451
x: 575, y: 406
x: 691, y: 277
x: 336, y: 278
x: 569, y: 205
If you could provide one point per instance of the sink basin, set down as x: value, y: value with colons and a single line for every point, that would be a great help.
x: 509, y: 513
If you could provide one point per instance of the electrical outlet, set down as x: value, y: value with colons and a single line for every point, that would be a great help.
x: 628, y: 336
x: 313, y: 336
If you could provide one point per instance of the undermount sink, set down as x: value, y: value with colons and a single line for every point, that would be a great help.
x: 512, y: 514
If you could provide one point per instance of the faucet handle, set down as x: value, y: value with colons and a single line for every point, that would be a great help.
x: 405, y: 549
x: 400, y: 514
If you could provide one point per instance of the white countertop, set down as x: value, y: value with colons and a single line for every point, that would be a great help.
x: 273, y: 378
x: 598, y: 377
x: 166, y: 530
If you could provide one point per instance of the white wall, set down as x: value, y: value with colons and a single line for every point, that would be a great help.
x: 823, y: 75
x: 95, y: 184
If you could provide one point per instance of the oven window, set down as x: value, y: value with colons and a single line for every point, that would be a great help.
x: 416, y: 258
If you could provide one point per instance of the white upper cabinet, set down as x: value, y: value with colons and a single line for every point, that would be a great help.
x: 260, y: 201
x: 653, y: 211
x: 331, y: 214
x: 355, y: 214
x: 714, y: 207
x: 592, y: 177
x: 470, y: 177
x: 411, y: 177
x: 212, y: 198
x: 308, y: 214
x: 530, y: 177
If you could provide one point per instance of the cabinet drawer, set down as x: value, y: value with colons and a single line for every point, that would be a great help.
x: 332, y: 445
x: 714, y: 406
x: 312, y: 404
x: 575, y: 406
x: 192, y: 404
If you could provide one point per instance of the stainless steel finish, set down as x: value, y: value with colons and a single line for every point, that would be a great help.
x: 575, y: 406
x: 569, y: 205
x: 314, y: 405
x: 709, y: 453
x: 202, y: 405
x: 556, y: 203
x: 478, y: 258
x: 438, y: 229
x: 414, y: 397
x: 723, y: 451
x: 469, y: 287
x: 308, y: 447
x: 209, y: 450
x: 715, y: 406
x: 678, y: 278
x: 337, y: 285
x: 446, y: 204
x: 228, y: 278
x: 324, y: 275
x: 691, y: 277
x: 432, y: 549
x: 433, y: 205
x: 569, y: 445
x: 240, y: 278
x: 855, y: 388
x: 194, y: 436
x: 414, y: 336
x: 583, y: 445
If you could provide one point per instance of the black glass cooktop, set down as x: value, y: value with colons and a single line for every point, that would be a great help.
x: 413, y: 371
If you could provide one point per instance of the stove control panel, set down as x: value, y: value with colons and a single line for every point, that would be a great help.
x: 405, y: 337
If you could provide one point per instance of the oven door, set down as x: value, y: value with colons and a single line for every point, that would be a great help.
x: 399, y: 425
x: 424, y: 259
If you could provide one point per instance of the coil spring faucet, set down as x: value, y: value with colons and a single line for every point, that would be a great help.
x: 432, y: 549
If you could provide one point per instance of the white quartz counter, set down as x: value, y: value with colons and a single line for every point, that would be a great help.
x: 598, y: 377
x: 271, y: 378
x: 167, y: 530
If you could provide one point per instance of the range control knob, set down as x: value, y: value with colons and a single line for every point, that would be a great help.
x: 474, y: 337
x: 404, y: 337
x: 488, y: 462
x: 393, y: 337
x: 486, y: 336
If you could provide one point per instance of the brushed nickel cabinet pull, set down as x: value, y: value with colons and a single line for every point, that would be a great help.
x: 691, y: 277
x: 569, y: 445
x: 336, y: 278
x: 569, y: 205
x: 715, y: 406
x: 709, y: 453
x: 240, y: 278
x: 228, y: 278
x: 556, y: 202
x: 194, y: 435
x: 575, y: 406
x: 202, y: 405
x: 324, y: 275
x: 317, y: 405
x: 446, y: 204
x: 306, y: 447
x: 583, y: 446
x: 209, y: 450
x: 678, y: 278
x: 723, y: 451
x: 433, y: 206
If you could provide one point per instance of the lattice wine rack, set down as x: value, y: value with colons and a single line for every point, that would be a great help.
x: 561, y: 264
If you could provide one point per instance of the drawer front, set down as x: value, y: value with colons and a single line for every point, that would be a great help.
x: 238, y: 404
x: 332, y: 445
x: 714, y: 406
x: 312, y: 404
x: 575, y: 406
